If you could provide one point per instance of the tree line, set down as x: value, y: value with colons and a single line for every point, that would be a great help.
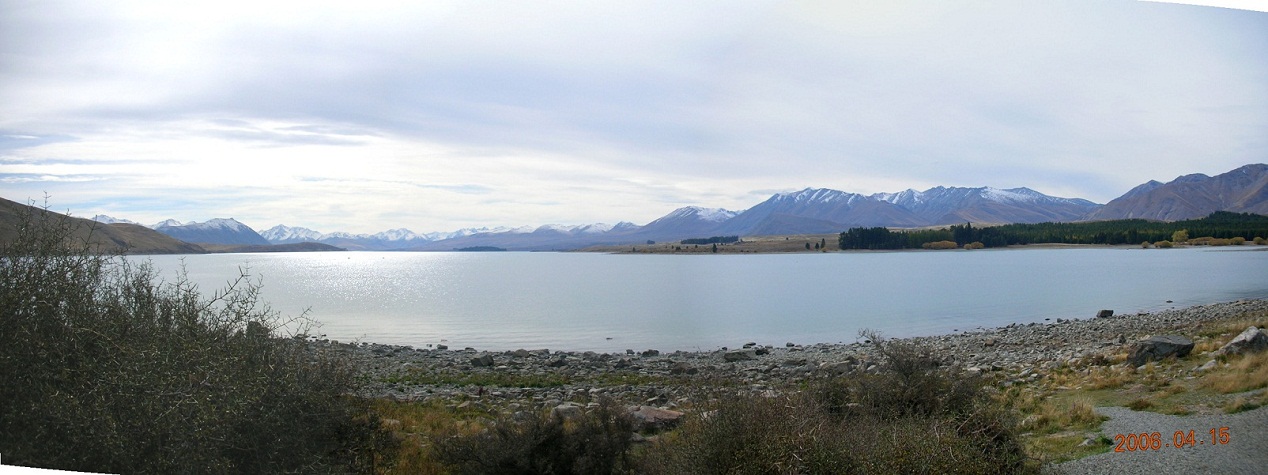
x: 711, y: 240
x: 1219, y: 225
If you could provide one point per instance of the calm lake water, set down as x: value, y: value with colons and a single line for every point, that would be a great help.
x: 602, y: 302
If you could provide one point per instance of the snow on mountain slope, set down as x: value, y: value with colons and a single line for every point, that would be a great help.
x: 167, y: 222
x: 283, y: 234
x: 227, y: 231
x: 398, y: 234
x: 101, y: 218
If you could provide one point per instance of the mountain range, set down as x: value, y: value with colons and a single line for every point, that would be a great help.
x: 808, y: 211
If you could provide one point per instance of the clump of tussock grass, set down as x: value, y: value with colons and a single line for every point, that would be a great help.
x: 1243, y: 373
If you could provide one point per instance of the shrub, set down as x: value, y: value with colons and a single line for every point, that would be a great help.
x: 1259, y: 241
x: 1164, y: 245
x: 1237, y: 241
x: 105, y: 370
x: 940, y: 245
x: 593, y: 443
x: 912, y: 417
x: 975, y: 245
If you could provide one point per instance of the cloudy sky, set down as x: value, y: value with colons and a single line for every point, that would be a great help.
x: 363, y: 116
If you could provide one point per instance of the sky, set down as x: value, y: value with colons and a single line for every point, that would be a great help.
x: 434, y: 116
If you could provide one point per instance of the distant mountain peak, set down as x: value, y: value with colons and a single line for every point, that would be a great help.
x: 167, y: 222
x: 818, y: 195
x: 101, y: 218
x: 713, y: 215
x: 214, y: 231
x: 1241, y: 190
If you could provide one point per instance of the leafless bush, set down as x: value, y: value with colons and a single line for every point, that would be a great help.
x: 104, y: 368
x: 910, y: 417
x: 593, y: 443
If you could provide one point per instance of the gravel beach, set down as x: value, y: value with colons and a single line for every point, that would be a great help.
x: 524, y: 379
x: 1008, y: 350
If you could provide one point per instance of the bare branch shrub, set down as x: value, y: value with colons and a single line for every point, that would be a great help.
x: 593, y: 443
x: 104, y: 368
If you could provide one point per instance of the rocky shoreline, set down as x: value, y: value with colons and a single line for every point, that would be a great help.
x: 523, y: 379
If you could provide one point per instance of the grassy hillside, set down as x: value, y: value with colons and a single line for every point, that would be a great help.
x: 126, y: 238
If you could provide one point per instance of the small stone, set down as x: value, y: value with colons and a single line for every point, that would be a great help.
x: 682, y: 367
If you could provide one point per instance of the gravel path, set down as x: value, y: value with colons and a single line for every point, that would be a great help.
x: 1246, y: 451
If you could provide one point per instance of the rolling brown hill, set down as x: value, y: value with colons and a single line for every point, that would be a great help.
x: 107, y: 238
x: 1243, y: 190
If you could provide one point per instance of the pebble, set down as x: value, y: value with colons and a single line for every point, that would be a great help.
x: 633, y: 377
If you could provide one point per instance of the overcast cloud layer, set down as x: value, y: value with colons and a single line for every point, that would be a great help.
x: 363, y: 116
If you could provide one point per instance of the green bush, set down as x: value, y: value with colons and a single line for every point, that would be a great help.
x: 594, y: 443
x: 105, y: 370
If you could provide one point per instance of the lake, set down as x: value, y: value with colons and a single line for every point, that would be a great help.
x: 614, y: 302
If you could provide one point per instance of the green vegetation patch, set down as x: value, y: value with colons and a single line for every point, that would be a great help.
x: 1219, y: 228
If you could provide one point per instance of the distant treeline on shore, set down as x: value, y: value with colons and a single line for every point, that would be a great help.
x: 711, y: 240
x: 1219, y: 225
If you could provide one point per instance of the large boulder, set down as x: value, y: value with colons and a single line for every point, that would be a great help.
x: 1249, y: 341
x: 567, y: 410
x: 655, y: 418
x: 482, y: 361
x: 1158, y: 347
x: 739, y: 355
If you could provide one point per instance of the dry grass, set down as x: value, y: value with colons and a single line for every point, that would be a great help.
x: 1243, y: 373
x: 412, y: 423
x: 1140, y: 404
x: 1106, y: 378
x: 1243, y: 404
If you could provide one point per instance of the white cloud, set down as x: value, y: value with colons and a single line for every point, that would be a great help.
x: 364, y: 116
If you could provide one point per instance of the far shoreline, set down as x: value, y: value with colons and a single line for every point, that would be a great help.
x: 797, y: 244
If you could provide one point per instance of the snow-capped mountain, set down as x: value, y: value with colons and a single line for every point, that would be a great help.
x: 167, y: 222
x: 811, y: 210
x: 398, y: 234
x: 816, y: 210
x: 950, y: 205
x: 281, y: 234
x: 689, y: 221
x: 103, y: 219
x: 216, y: 231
